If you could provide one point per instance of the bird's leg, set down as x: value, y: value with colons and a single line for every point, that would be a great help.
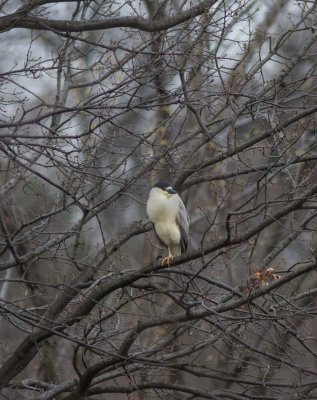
x: 167, y: 259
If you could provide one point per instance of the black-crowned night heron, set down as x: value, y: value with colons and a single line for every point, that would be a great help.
x: 170, y: 218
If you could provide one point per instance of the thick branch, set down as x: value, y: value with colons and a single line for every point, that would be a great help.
x: 17, y: 20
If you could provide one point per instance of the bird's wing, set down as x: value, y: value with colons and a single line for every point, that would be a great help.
x: 182, y: 220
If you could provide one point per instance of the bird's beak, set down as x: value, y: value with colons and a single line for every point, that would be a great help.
x: 171, y: 190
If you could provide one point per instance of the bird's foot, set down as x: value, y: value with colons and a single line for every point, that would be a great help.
x: 167, y: 261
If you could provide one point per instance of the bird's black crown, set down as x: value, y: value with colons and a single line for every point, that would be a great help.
x: 162, y: 184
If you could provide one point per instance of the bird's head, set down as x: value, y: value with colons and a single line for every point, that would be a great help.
x: 164, y: 188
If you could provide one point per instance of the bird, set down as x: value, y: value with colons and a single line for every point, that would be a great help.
x: 170, y: 218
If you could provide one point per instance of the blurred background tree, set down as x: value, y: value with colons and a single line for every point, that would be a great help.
x: 99, y: 100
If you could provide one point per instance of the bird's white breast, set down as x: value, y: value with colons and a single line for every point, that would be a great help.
x: 161, y: 206
x: 162, y: 211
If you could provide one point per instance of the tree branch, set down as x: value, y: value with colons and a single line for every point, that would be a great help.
x: 17, y: 21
